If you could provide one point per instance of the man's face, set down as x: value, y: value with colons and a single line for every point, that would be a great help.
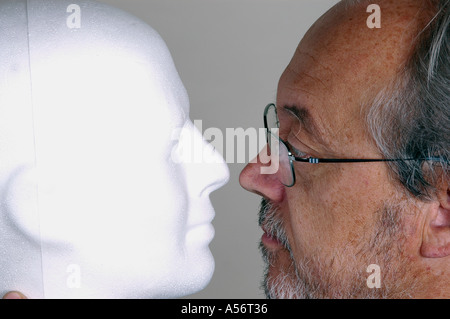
x: 323, y: 233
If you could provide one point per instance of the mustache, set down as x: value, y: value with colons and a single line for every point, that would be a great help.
x: 272, y: 223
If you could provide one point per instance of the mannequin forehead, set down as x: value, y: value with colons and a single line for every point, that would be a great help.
x: 104, y: 90
x: 106, y: 36
x: 113, y: 65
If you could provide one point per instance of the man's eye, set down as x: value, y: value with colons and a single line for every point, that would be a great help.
x: 296, y: 152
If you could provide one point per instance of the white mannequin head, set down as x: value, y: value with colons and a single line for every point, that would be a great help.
x: 94, y: 202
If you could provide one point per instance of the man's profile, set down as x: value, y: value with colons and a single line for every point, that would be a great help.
x: 360, y: 207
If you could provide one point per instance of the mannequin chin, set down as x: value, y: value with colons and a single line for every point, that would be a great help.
x: 94, y: 202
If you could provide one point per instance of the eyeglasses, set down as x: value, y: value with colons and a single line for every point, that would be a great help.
x: 286, y: 173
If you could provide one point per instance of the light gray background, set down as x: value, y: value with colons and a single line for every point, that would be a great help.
x: 230, y: 55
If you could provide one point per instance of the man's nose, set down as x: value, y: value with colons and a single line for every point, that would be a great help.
x: 254, y: 179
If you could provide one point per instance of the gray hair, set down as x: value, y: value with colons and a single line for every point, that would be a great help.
x: 411, y: 117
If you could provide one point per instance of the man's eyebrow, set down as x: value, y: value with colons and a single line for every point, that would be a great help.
x: 307, y: 122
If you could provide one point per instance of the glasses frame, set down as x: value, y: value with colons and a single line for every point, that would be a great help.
x: 314, y: 160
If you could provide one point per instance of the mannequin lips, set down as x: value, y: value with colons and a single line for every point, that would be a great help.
x: 201, y: 229
x: 200, y: 215
x: 203, y: 233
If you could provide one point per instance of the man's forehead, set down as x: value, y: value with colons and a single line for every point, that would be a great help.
x: 341, y: 50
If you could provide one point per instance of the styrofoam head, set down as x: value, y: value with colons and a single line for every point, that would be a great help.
x: 94, y: 202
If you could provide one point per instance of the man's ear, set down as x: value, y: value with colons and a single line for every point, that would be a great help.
x: 436, y: 233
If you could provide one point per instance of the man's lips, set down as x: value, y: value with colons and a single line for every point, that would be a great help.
x: 270, y: 242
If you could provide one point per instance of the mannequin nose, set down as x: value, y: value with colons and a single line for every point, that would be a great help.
x: 206, y: 171
x: 254, y: 180
x: 215, y: 168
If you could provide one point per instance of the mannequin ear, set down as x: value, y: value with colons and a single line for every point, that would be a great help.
x: 436, y: 235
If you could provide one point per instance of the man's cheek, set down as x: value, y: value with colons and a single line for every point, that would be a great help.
x: 307, y: 226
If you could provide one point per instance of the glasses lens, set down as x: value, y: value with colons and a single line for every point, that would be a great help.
x: 285, y: 173
x: 278, y: 150
x: 271, y: 120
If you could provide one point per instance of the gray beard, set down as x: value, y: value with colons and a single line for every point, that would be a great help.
x: 313, y: 278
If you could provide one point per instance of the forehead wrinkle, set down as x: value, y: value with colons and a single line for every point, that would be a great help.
x: 311, y: 126
x: 302, y: 75
x: 297, y: 100
x: 315, y: 61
